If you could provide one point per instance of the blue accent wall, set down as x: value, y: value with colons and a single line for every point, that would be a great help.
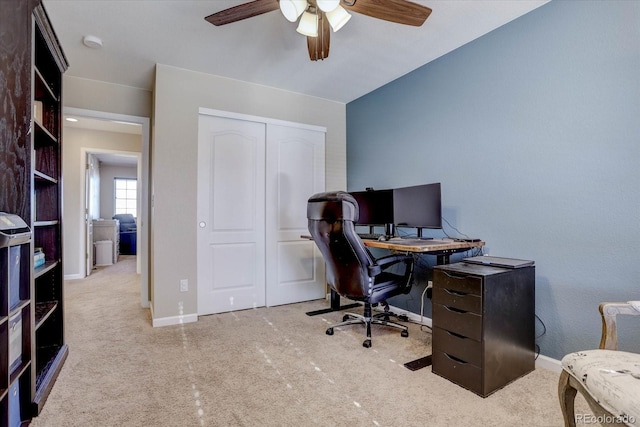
x: 534, y: 132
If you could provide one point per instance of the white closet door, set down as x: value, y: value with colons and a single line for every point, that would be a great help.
x: 231, y: 214
x: 295, y: 171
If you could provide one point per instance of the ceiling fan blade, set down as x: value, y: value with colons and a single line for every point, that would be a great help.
x: 243, y: 11
x: 319, y: 46
x: 399, y: 11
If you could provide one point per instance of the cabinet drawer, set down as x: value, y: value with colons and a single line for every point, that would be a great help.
x: 457, y: 370
x: 458, y: 346
x: 463, y: 283
x: 457, y: 299
x: 461, y: 322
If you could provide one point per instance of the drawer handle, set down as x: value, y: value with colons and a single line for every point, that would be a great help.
x: 457, y: 335
x: 455, y: 359
x: 455, y: 276
x: 455, y: 310
x: 456, y: 293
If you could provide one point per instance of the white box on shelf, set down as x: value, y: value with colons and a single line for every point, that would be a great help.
x: 37, y: 111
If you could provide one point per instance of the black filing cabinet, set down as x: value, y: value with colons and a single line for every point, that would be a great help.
x: 483, y: 325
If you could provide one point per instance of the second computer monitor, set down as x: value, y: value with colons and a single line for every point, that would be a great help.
x: 418, y: 207
x: 375, y: 207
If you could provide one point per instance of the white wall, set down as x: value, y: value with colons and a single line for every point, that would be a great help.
x: 177, y: 96
x: 107, y: 97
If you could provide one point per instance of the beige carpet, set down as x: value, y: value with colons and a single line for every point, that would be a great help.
x: 262, y: 367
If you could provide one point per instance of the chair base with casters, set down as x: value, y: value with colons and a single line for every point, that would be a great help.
x: 367, y: 319
x: 608, y: 379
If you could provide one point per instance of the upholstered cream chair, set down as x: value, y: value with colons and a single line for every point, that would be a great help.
x: 608, y: 379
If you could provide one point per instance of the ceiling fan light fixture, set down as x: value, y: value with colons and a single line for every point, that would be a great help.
x: 338, y: 17
x: 327, y: 5
x: 292, y: 9
x: 308, y: 25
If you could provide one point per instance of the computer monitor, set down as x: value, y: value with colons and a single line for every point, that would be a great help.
x: 375, y: 207
x: 419, y: 207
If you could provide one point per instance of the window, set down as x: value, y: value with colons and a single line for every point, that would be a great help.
x: 125, y: 193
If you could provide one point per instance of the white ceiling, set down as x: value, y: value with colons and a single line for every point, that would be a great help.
x: 116, y: 159
x: 104, y: 125
x: 365, y: 54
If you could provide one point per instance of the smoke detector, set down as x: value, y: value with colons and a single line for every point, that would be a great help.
x: 92, y: 42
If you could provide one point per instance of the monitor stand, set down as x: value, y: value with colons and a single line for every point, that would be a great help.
x: 419, y: 233
x: 389, y: 230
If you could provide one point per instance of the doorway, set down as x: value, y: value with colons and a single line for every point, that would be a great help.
x: 111, y: 187
x: 138, y: 158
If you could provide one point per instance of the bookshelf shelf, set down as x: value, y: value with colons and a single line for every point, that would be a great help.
x: 43, y: 310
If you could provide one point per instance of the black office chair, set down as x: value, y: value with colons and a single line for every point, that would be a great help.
x: 352, y: 271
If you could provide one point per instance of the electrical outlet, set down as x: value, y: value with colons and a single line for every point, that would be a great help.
x: 184, y: 285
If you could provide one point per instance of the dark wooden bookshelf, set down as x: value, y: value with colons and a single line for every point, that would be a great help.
x: 50, y: 350
x: 32, y: 342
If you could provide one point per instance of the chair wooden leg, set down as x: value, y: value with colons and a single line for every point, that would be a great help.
x: 567, y: 395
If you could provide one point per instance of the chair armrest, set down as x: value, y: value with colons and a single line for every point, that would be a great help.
x: 387, y: 261
x: 609, y: 311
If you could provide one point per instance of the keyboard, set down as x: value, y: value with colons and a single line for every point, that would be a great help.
x: 417, y: 242
x: 370, y: 236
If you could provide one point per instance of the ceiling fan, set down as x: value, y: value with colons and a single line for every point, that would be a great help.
x: 318, y: 16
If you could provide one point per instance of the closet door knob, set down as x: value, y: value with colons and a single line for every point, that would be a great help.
x: 202, y: 224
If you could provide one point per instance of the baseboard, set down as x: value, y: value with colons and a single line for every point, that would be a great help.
x: 543, y: 362
x: 73, y: 276
x: 548, y: 363
x: 172, y: 320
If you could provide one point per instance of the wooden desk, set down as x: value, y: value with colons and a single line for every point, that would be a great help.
x: 425, y: 246
x: 442, y: 248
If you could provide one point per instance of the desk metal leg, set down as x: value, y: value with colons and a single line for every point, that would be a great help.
x: 423, y: 362
x: 335, y: 305
x: 442, y: 259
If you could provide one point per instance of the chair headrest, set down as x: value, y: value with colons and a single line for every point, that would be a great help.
x: 332, y: 206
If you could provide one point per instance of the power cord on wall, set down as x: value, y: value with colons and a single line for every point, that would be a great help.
x: 429, y: 286
x: 457, y: 231
x: 544, y: 331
